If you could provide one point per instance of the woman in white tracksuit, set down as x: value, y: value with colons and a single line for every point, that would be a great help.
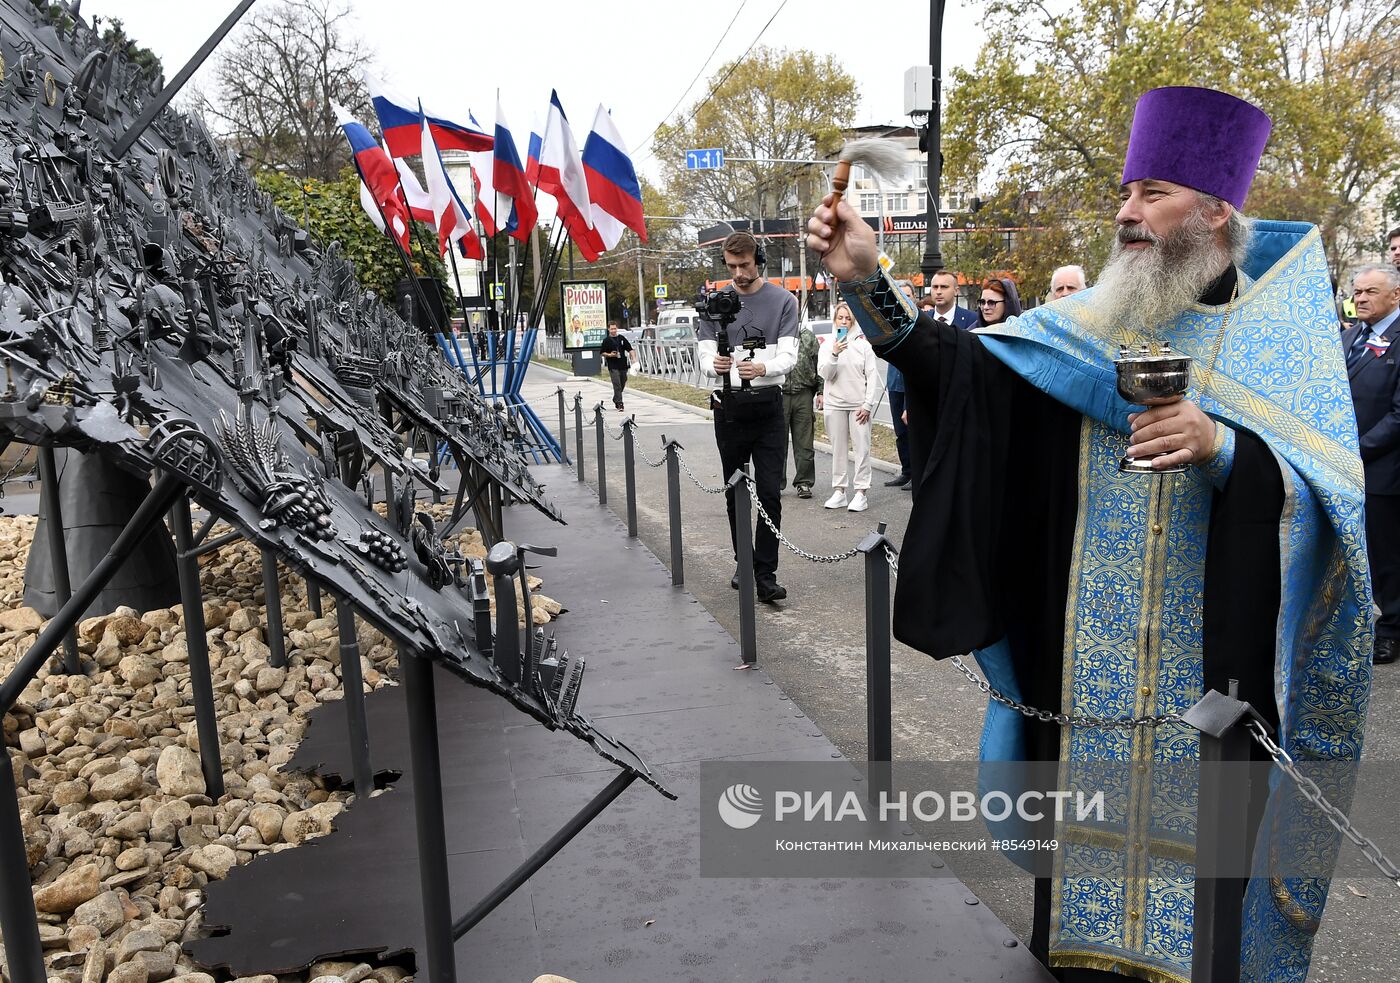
x: 854, y: 385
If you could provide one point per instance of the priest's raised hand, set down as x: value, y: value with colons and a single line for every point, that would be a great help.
x: 845, y: 242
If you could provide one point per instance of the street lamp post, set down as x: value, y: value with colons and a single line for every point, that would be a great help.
x: 933, y: 257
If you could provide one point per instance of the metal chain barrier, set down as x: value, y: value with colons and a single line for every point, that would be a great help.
x: 814, y: 557
x: 646, y: 460
x: 707, y: 489
x: 1306, y: 785
x: 1314, y: 795
x: 5, y: 478
x: 598, y: 418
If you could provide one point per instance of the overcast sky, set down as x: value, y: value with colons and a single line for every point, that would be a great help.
x: 636, y: 58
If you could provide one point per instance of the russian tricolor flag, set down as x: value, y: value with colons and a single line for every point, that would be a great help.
x: 377, y: 174
x: 400, y: 122
x: 532, y: 156
x: 613, y: 189
x: 508, y: 178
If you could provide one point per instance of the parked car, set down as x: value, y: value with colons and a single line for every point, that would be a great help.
x: 822, y: 329
x: 676, y: 315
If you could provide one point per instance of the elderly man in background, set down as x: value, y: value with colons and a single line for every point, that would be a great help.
x: 1374, y: 374
x: 1231, y: 549
x: 1067, y: 280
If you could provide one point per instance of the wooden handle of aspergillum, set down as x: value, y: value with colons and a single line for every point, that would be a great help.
x: 840, y: 178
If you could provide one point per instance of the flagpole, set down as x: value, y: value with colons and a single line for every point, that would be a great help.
x: 398, y: 247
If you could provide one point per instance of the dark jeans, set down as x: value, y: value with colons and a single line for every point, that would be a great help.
x: 762, y: 439
x: 619, y: 381
x: 1383, y: 547
x: 800, y: 427
x: 901, y: 432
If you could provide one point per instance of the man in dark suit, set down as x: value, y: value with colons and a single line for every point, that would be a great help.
x: 943, y: 289
x: 1374, y: 372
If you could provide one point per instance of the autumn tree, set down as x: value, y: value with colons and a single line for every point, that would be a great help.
x: 1044, y: 116
x: 769, y: 105
x: 275, y: 80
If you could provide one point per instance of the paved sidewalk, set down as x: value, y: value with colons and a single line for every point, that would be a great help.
x: 813, y: 644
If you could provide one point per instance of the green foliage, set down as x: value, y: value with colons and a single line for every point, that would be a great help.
x: 336, y: 216
x: 114, y: 35
x: 1049, y: 106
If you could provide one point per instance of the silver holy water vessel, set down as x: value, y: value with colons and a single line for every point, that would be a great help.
x: 1148, y: 379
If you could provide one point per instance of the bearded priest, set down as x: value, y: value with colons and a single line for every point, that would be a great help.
x: 1088, y: 590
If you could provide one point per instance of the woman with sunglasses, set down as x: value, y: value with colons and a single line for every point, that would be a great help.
x: 999, y: 302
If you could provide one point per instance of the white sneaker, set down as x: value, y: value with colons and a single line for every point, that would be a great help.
x: 858, y: 504
x: 837, y: 500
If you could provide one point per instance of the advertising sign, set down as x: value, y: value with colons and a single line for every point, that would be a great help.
x: 585, y: 313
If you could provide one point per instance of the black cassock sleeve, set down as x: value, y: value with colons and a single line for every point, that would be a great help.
x: 988, y: 548
x: 994, y: 466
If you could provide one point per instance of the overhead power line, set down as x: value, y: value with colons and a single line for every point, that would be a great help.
x: 706, y: 65
x: 733, y: 66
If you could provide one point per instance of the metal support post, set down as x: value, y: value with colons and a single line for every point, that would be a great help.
x: 353, y: 684
x: 313, y: 597
x: 58, y: 552
x: 19, y: 923
x: 197, y: 644
x: 428, y: 812
x: 1221, y: 832
x: 563, y: 429
x: 578, y: 434
x: 673, y: 508
x: 142, y: 521
x: 272, y: 603
x: 878, y: 738
x: 743, y: 538
x: 598, y: 426
x: 629, y: 464
x: 542, y: 856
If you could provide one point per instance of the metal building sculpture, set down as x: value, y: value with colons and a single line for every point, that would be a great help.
x: 157, y: 310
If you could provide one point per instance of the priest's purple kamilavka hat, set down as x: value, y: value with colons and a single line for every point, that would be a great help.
x: 1204, y: 139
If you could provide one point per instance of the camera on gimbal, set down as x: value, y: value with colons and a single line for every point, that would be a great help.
x: 720, y: 307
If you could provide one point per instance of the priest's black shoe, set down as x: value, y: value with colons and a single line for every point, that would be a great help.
x: 897, y: 481
x: 770, y: 591
x: 1387, y: 651
x: 734, y: 580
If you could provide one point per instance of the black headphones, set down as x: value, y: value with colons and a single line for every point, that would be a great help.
x: 758, y: 258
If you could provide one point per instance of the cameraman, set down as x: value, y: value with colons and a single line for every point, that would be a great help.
x: 749, y: 422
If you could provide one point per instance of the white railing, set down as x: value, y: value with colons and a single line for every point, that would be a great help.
x: 673, y: 360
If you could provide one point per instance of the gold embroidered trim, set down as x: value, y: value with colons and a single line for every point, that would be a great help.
x: 1290, y: 908
x: 1074, y: 959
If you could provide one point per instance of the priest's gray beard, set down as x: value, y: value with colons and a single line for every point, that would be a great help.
x: 1140, y: 289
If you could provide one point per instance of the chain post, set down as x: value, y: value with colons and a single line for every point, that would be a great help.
x: 600, y: 428
x: 673, y: 508
x: 563, y: 428
x: 578, y: 434
x: 629, y: 461
x: 743, y: 541
x: 879, y: 740
x: 1221, y: 832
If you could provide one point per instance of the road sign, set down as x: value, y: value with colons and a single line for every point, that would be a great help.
x: 710, y: 159
x: 659, y: 291
x: 498, y: 291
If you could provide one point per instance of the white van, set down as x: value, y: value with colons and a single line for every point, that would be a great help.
x: 677, y: 315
